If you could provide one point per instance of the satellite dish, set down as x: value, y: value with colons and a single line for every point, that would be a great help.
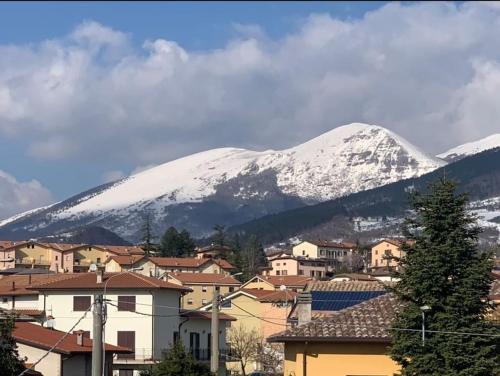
x: 282, y: 287
x: 93, y: 267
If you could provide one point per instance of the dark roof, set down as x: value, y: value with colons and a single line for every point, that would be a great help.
x: 365, y: 322
x: 337, y: 300
x: 374, y: 285
x: 88, y: 281
x: 207, y: 315
x: 41, y: 337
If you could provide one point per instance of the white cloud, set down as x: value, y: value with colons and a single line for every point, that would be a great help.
x: 113, y: 175
x: 419, y: 69
x: 16, y: 197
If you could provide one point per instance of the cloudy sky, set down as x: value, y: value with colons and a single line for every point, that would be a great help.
x: 90, y: 92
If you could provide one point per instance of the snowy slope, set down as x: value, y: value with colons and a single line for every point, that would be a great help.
x: 344, y: 160
x: 471, y: 148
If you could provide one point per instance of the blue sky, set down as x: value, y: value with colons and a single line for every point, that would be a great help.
x: 93, y: 91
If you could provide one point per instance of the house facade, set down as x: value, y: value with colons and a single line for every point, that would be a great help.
x: 291, y: 282
x: 383, y: 250
x: 202, y: 286
x: 297, y: 265
x: 333, y: 253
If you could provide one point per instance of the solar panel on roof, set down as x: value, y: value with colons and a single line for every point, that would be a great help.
x: 337, y: 300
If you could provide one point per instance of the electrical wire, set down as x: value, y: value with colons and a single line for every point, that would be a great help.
x: 58, y: 342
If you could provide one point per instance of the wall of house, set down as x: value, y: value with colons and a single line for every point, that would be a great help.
x: 89, y: 255
x: 48, y: 366
x: 260, y: 285
x: 26, y: 301
x: 166, y: 320
x: 199, y: 297
x: 4, y: 255
x: 68, y: 260
x: 285, y: 266
x: 275, y: 315
x: 41, y: 255
x: 78, y: 365
x: 113, y: 267
x: 305, y: 249
x: 378, y: 252
x: 365, y: 359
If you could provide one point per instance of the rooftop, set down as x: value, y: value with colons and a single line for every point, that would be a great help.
x: 269, y: 296
x: 287, y: 280
x: 184, y: 262
x: 207, y: 315
x: 365, y: 322
x: 38, y: 336
x: 374, y: 285
x: 126, y: 260
x: 329, y: 244
x: 88, y: 281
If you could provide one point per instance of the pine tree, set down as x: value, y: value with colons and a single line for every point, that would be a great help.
x: 169, y: 243
x: 187, y: 245
x: 10, y: 364
x: 443, y: 269
x: 147, y: 236
x: 252, y: 257
x: 177, y: 362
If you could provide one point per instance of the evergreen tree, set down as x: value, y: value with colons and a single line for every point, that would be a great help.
x: 147, y: 236
x: 444, y: 270
x: 10, y: 364
x: 176, y: 244
x: 177, y: 362
x: 252, y: 257
x: 219, y: 236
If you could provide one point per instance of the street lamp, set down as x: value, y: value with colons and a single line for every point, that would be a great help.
x: 424, y: 309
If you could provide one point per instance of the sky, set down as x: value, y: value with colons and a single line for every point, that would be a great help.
x: 93, y: 91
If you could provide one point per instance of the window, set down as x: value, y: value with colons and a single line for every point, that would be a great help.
x: 126, y: 372
x: 376, y: 262
x: 190, y: 301
x: 204, y: 288
x: 194, y: 344
x: 176, y: 337
x: 204, y: 301
x: 57, y: 258
x: 5, y: 299
x: 231, y: 289
x: 126, y: 339
x: 126, y: 303
x: 277, y: 272
x: 301, y: 272
x: 376, y: 252
x: 277, y: 264
x: 226, y: 304
x: 217, y: 288
x: 81, y: 303
x: 98, y: 260
x: 283, y: 272
x: 303, y: 253
x: 284, y: 263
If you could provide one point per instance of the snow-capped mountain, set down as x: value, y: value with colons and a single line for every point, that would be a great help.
x: 230, y: 185
x: 471, y: 148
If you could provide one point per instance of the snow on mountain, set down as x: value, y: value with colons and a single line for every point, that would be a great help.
x: 471, y: 148
x: 345, y: 160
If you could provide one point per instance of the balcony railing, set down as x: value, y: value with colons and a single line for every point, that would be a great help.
x: 141, y: 355
x: 86, y: 263
x: 32, y: 261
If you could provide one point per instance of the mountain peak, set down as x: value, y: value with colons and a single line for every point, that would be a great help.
x: 469, y: 148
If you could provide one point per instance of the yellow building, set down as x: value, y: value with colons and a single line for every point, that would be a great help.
x: 203, y: 285
x: 274, y: 282
x: 353, y: 341
x: 383, y: 250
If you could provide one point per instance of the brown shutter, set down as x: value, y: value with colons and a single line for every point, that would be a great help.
x: 126, y: 303
x: 81, y: 303
x: 126, y: 339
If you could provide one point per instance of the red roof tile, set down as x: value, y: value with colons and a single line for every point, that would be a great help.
x: 38, y: 336
x: 125, y: 260
x: 287, y: 280
x: 206, y: 315
x: 122, y: 249
x: 76, y: 281
x: 269, y: 296
x: 205, y: 278
x: 183, y: 262
x: 224, y: 264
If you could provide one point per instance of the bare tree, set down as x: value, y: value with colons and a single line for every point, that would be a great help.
x: 271, y: 356
x: 244, y: 345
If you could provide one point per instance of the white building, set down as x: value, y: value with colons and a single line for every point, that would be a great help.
x: 143, y: 314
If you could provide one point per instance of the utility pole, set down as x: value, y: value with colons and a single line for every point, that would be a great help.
x: 97, y: 345
x: 214, y: 356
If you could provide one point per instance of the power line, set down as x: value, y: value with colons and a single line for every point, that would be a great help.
x: 58, y: 342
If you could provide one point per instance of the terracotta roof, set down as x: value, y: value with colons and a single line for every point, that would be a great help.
x: 205, y: 278
x: 28, y: 311
x: 374, y: 285
x: 125, y: 260
x: 6, y: 244
x: 287, y: 280
x: 365, y: 322
x: 328, y: 244
x: 122, y: 249
x: 86, y: 281
x: 41, y: 337
x: 184, y: 262
x: 206, y: 315
x: 396, y: 242
x: 14, y: 285
x: 224, y: 264
x: 356, y: 276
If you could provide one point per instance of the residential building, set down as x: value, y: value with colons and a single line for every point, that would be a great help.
x: 143, y: 313
x: 354, y: 341
x: 272, y: 282
x: 202, y: 286
x: 297, y: 265
x: 333, y: 253
x: 214, y: 251
x: 71, y: 355
x: 59, y: 257
x: 264, y: 311
x: 384, y: 250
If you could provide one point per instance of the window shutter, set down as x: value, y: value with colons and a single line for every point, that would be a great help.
x: 126, y: 303
x: 126, y: 339
x: 81, y: 303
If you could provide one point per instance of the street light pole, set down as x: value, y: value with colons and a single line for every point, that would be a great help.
x: 424, y: 309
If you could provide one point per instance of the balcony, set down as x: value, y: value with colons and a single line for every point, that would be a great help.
x: 33, y: 261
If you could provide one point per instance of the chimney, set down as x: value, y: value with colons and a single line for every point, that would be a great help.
x: 304, y: 300
x: 79, y: 337
x: 99, y: 274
